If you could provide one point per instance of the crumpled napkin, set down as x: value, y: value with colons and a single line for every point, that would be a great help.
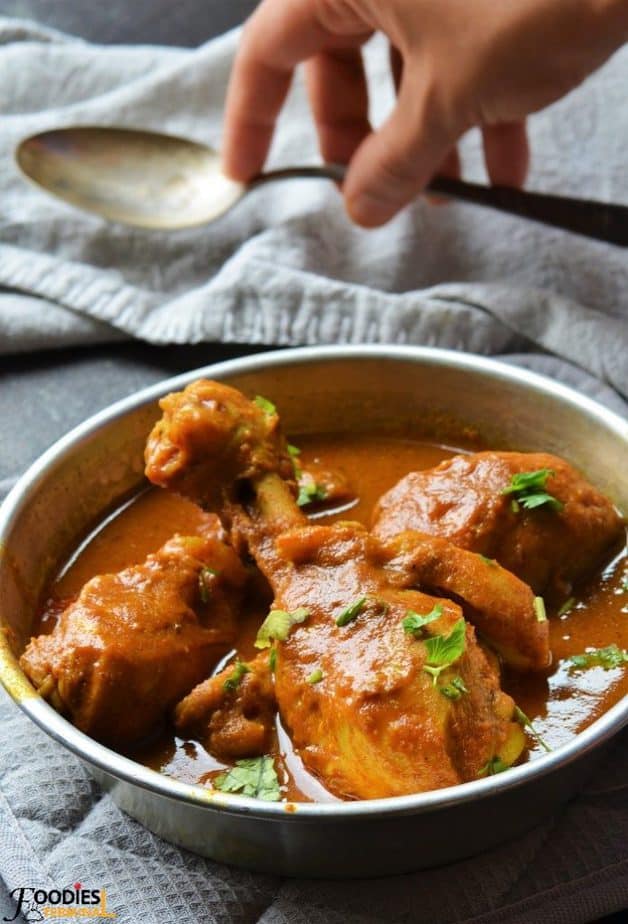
x: 286, y: 267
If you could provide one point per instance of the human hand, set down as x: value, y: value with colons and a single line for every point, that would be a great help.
x: 457, y: 63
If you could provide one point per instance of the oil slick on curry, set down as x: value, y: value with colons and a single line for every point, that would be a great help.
x: 234, y: 627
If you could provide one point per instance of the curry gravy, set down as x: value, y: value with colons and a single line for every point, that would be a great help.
x: 560, y: 702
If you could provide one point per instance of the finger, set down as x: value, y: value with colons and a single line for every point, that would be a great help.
x: 451, y: 168
x: 278, y: 36
x: 396, y: 66
x: 393, y: 165
x: 506, y: 153
x: 339, y: 100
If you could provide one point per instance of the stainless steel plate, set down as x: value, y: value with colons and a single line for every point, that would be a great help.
x: 392, y: 389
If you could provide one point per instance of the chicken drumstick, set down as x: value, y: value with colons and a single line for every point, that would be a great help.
x: 383, y: 688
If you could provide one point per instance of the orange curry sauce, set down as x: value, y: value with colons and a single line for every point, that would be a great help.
x: 560, y: 702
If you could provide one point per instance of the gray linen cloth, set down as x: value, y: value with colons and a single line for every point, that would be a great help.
x: 287, y: 268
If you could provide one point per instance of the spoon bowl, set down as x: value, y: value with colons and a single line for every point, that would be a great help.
x: 139, y: 178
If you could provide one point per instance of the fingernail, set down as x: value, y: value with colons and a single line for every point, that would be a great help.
x: 370, y: 211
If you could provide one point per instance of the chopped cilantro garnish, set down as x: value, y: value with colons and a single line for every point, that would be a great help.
x: 294, y: 452
x: 493, y: 766
x: 539, y: 609
x: 265, y: 405
x: 455, y: 689
x: 278, y: 624
x: 204, y: 583
x: 530, y: 501
x: 234, y: 681
x: 523, y: 720
x: 351, y: 611
x: 414, y: 622
x: 486, y: 559
x: 567, y: 606
x: 316, y: 676
x: 609, y: 657
x: 309, y: 492
x: 529, y: 491
x: 252, y: 776
x: 444, y: 650
x: 528, y: 481
x: 272, y: 660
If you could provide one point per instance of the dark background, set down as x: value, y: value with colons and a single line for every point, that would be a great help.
x: 43, y: 395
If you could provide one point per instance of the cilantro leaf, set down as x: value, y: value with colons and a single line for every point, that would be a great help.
x: 309, y: 492
x: 524, y: 721
x: 529, y: 491
x: 528, y: 481
x: 444, y: 650
x: 316, y: 676
x: 294, y: 452
x: 265, y: 405
x: 234, y: 681
x: 278, y: 624
x: 251, y: 776
x: 567, y: 606
x: 414, y: 622
x: 455, y: 689
x: 493, y: 766
x: 530, y: 501
x: 350, y: 612
x: 608, y: 657
x: 539, y: 609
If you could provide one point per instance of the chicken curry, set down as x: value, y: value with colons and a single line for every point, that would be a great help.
x: 345, y: 618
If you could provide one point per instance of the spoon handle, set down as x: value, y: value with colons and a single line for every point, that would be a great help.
x: 600, y: 220
x: 335, y: 172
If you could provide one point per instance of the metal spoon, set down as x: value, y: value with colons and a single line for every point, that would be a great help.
x: 149, y: 180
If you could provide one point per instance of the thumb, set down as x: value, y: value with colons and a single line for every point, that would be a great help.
x: 393, y: 164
